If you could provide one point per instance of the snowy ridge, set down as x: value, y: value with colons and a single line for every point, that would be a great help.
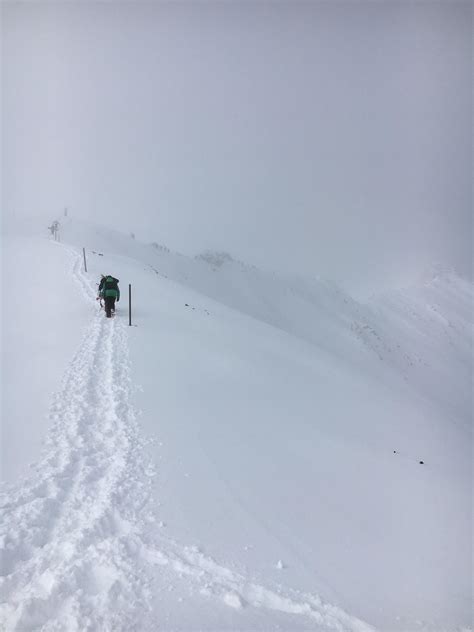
x: 412, y: 329
x: 79, y: 546
x: 405, y: 331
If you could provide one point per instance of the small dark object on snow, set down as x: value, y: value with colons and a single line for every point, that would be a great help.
x: 186, y: 305
x: 422, y: 462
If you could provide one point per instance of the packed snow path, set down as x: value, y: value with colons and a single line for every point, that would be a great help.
x: 66, y: 554
x: 78, y: 542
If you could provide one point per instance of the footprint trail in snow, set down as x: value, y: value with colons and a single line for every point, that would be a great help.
x: 78, y: 551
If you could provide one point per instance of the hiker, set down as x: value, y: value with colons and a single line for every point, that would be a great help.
x: 109, y: 291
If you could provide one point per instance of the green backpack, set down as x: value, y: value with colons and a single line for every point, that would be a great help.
x: 110, y: 287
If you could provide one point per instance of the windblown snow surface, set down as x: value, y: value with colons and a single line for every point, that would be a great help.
x: 247, y: 456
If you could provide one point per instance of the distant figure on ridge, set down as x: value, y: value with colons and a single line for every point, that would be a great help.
x: 109, y: 291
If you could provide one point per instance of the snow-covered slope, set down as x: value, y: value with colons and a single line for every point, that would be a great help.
x: 245, y: 457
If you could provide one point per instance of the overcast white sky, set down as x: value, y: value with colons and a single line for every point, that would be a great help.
x: 328, y: 137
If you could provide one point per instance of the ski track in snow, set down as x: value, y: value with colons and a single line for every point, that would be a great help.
x: 78, y: 542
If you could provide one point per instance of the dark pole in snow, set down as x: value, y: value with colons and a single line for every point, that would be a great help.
x: 85, y: 262
x: 129, y: 304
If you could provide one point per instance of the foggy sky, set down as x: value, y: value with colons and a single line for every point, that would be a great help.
x: 329, y: 138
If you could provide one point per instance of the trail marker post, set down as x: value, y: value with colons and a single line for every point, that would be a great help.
x: 129, y: 304
x: 85, y: 262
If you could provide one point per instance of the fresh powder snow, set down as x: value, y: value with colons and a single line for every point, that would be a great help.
x: 256, y: 452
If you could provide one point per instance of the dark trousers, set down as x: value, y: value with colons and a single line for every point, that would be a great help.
x: 109, y: 305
